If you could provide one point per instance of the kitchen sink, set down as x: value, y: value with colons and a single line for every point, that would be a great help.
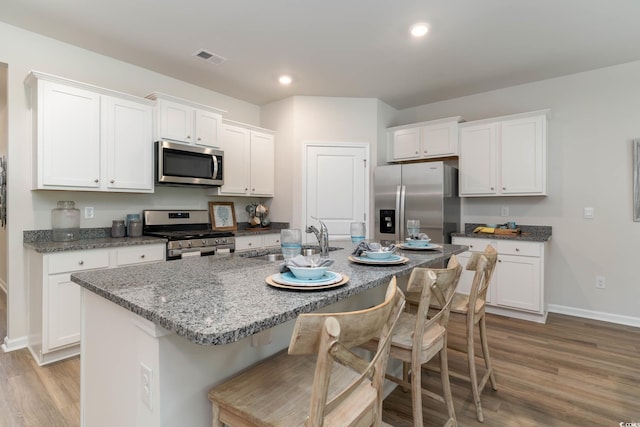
x: 271, y: 257
x: 274, y: 255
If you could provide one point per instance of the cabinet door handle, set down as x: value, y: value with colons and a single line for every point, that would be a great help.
x: 96, y: 180
x: 112, y: 181
x: 499, y: 260
x: 417, y: 152
x: 81, y: 262
x: 188, y: 136
x: 492, y: 188
x: 253, y: 189
x: 199, y: 139
x: 517, y: 250
x: 504, y: 188
x: 142, y: 256
x: 246, y: 189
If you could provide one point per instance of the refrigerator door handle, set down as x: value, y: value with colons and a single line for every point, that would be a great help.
x: 400, y: 209
x: 398, y: 216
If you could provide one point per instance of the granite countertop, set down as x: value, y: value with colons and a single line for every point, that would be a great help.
x: 531, y: 233
x: 223, y: 298
x: 90, y: 238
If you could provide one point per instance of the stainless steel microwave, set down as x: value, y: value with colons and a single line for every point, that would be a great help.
x: 188, y: 165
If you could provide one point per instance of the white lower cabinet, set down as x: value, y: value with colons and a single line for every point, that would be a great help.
x: 257, y: 241
x: 517, y: 286
x: 54, y: 300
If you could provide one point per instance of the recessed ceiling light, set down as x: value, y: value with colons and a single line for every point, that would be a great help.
x: 419, y: 29
x: 285, y: 80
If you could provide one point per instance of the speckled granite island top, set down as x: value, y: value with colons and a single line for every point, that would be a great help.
x: 530, y: 233
x: 223, y: 298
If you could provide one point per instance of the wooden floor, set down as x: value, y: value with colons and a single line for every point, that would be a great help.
x: 568, y: 372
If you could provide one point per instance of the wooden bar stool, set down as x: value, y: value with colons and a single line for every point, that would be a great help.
x: 483, y: 264
x: 321, y: 382
x: 417, y: 339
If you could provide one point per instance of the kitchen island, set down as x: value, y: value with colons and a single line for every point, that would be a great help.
x: 156, y: 337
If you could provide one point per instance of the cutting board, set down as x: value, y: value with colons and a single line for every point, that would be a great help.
x: 507, y: 231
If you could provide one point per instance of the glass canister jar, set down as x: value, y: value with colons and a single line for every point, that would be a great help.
x: 65, y: 222
x: 117, y: 228
x: 135, y: 228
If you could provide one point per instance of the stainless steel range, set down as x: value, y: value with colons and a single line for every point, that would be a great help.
x: 188, y: 231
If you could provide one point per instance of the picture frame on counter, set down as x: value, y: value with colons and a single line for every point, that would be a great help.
x: 223, y: 216
x: 636, y: 180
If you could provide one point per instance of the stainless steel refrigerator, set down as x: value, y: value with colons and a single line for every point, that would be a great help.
x: 424, y: 191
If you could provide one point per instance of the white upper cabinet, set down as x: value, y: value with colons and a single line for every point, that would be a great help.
x: 89, y: 138
x: 506, y: 156
x: 249, y: 161
x: 126, y: 131
x: 437, y: 138
x: 186, y: 121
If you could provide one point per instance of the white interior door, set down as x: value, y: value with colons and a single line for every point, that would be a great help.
x: 336, y: 187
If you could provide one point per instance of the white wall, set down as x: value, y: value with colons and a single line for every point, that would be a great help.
x: 29, y: 210
x: 315, y: 119
x: 594, y: 116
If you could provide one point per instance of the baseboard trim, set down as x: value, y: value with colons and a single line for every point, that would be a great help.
x: 595, y: 315
x: 14, y: 344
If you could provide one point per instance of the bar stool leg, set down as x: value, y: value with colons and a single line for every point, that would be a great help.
x: 473, y: 376
x: 446, y: 386
x: 485, y: 352
x: 416, y: 388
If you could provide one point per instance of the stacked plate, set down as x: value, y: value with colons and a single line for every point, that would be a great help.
x: 288, y: 281
x: 390, y: 260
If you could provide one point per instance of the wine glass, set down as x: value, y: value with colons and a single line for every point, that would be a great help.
x: 358, y: 232
x: 413, y: 227
x: 290, y: 242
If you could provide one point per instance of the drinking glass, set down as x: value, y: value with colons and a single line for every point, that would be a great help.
x: 290, y: 242
x: 358, y: 232
x: 413, y: 227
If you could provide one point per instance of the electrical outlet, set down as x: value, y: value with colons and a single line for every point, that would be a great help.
x: 88, y: 212
x: 504, y: 211
x: 146, y: 377
x: 601, y: 282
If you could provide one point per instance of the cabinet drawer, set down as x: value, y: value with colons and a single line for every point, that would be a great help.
x: 475, y: 245
x: 271, y: 239
x: 140, y: 254
x: 506, y: 247
x: 78, y: 261
x: 248, y: 242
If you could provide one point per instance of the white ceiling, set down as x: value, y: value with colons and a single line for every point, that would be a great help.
x: 353, y: 48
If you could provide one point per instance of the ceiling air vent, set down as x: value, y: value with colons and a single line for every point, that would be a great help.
x: 209, y: 57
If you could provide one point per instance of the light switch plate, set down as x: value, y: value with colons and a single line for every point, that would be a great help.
x: 587, y: 213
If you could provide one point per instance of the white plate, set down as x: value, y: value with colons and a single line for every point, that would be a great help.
x: 397, y: 259
x: 298, y: 287
x: 429, y: 247
x: 289, y: 279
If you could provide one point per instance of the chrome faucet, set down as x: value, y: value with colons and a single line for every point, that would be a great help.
x: 323, y: 238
